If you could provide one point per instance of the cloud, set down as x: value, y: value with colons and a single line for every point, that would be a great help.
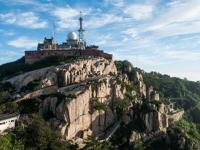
x: 102, y: 20
x: 145, y: 60
x: 182, y: 55
x: 19, y: 1
x: 7, y: 33
x: 181, y: 12
x: 23, y: 42
x: 103, y: 40
x: 195, y: 75
x: 65, y: 13
x: 67, y: 17
x: 118, y: 3
x: 24, y: 19
x: 10, y: 55
x: 138, y: 59
x: 36, y: 6
x: 107, y: 41
x: 131, y: 32
x: 181, y: 17
x: 177, y: 18
x: 139, y: 11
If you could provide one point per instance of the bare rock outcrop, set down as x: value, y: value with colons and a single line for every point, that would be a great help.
x: 46, y: 77
x: 66, y: 74
x: 88, y: 97
x: 86, y: 108
x: 141, y: 84
x: 85, y: 70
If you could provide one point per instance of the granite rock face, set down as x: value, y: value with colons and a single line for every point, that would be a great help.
x: 66, y: 74
x: 45, y: 77
x: 156, y: 120
x: 78, y: 114
x: 141, y: 84
x: 84, y: 70
x: 84, y: 98
x: 80, y: 86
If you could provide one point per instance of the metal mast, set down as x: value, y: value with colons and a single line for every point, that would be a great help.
x: 54, y: 32
x: 81, y: 30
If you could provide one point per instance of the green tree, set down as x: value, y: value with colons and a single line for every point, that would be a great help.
x: 39, y: 135
x: 9, y: 107
x: 92, y: 144
x: 10, y: 142
x: 4, y: 95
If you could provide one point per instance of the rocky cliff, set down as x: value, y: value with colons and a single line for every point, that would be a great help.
x: 90, y: 97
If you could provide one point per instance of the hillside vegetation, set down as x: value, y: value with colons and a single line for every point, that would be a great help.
x: 37, y: 135
x: 185, y: 94
x: 184, y: 134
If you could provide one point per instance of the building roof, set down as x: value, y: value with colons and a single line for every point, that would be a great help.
x: 7, y: 116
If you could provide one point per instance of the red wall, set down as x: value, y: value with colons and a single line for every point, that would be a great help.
x: 34, y: 56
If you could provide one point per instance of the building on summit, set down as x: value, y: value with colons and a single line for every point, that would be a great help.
x: 75, y: 45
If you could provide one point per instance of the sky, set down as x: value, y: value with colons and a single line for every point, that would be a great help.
x: 154, y: 35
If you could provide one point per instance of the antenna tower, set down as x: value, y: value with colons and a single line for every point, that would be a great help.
x: 81, y: 30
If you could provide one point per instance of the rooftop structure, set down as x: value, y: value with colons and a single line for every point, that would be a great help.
x: 75, y: 45
x: 7, y: 122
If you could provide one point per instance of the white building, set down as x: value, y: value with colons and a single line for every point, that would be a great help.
x: 7, y: 122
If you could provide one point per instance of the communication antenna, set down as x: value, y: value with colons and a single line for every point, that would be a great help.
x: 54, y: 32
x: 81, y: 30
